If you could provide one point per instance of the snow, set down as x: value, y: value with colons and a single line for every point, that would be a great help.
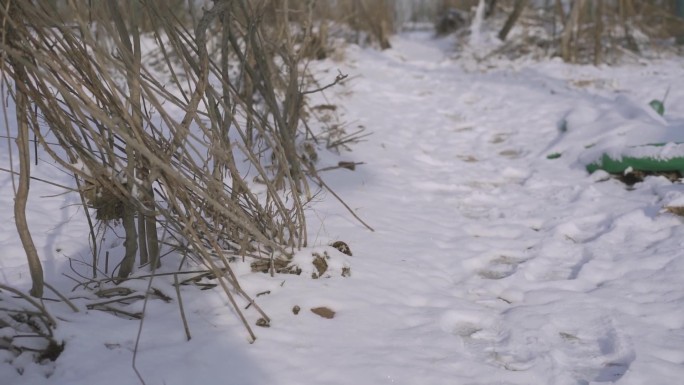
x: 490, y: 263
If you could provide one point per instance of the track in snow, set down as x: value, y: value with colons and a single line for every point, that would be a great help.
x: 522, y: 263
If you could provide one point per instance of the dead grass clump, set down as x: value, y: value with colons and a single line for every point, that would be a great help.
x: 275, y: 266
x: 108, y: 205
x: 636, y: 176
x: 342, y: 247
x: 320, y: 264
x: 676, y: 210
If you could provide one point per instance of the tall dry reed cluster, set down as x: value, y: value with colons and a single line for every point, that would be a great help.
x: 200, y: 146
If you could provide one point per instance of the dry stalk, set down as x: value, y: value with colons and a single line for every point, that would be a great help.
x: 180, y: 307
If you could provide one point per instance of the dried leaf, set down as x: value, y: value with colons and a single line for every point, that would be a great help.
x: 324, y: 312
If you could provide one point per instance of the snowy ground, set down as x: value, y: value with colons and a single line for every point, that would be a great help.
x: 490, y: 263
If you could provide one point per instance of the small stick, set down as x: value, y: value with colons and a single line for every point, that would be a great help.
x: 106, y: 262
x: 323, y: 184
x: 666, y: 94
x: 347, y: 165
x: 345, y: 204
x: 340, y: 76
x: 41, y: 180
x: 140, y: 327
x: 180, y: 306
x: 114, y: 310
x: 115, y: 300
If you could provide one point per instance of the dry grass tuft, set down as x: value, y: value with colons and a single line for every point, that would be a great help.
x: 676, y: 210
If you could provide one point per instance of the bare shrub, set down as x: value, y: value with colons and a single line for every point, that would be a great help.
x: 176, y: 146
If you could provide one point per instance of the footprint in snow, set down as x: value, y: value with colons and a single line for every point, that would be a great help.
x: 485, y: 337
x: 511, y: 153
x: 500, y: 267
x: 600, y: 353
x: 575, y: 346
x: 558, y: 260
x: 478, y: 330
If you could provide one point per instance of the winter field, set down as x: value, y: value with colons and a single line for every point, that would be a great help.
x: 490, y: 263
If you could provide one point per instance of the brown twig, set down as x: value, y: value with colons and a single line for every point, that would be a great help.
x: 340, y: 77
x: 180, y: 307
x: 322, y: 183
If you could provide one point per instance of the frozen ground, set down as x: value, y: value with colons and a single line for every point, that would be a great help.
x: 490, y: 263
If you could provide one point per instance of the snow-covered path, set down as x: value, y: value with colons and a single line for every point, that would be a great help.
x: 489, y: 264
